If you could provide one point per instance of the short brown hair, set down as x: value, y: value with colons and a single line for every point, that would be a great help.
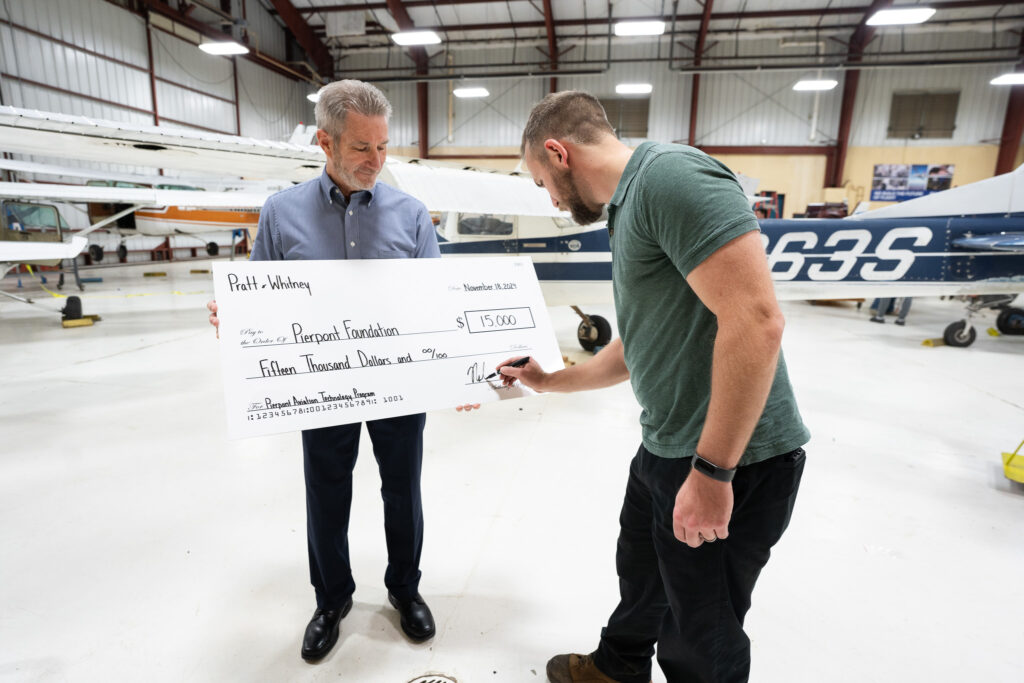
x: 572, y: 115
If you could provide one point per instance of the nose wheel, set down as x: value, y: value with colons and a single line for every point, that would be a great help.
x: 594, y: 331
x: 961, y: 333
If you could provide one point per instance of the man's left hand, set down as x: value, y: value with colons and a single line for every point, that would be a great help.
x: 702, y: 511
x: 468, y: 407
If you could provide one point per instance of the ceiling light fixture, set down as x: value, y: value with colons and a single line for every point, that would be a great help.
x: 1015, y: 78
x: 634, y: 88
x: 470, y: 92
x: 639, y: 28
x: 896, y: 16
x: 313, y: 97
x: 416, y: 38
x: 223, y: 47
x: 806, y: 84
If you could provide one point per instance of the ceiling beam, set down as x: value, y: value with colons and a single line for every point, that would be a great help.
x: 1013, y: 123
x: 419, y: 55
x: 862, y: 35
x: 307, y: 39
x: 162, y: 8
x: 549, y: 23
x: 698, y: 52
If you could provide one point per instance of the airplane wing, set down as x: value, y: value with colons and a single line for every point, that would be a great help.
x: 444, y: 188
x: 52, y: 192
x: 22, y: 252
x: 1000, y: 241
x: 25, y: 131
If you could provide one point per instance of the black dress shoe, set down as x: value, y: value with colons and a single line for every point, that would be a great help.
x: 322, y: 631
x: 417, y: 621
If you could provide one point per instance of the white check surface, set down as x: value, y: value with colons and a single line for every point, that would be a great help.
x: 308, y: 344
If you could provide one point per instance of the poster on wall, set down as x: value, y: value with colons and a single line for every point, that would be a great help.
x: 897, y: 182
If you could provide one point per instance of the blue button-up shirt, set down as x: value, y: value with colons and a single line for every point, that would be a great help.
x: 313, y: 221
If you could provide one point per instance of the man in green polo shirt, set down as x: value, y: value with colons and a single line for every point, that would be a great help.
x: 712, y: 487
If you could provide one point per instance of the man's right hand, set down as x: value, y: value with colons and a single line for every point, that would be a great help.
x: 531, y: 374
x: 214, y: 320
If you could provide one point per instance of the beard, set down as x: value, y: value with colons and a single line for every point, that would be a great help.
x: 353, y: 181
x: 582, y: 213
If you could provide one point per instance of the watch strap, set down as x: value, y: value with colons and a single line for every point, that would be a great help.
x: 712, y: 470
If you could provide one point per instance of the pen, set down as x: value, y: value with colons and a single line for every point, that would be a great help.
x: 514, y: 364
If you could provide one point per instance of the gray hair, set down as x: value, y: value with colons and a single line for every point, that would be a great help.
x: 337, y: 99
x: 572, y: 115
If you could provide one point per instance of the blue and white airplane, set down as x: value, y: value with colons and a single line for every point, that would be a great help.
x: 967, y: 241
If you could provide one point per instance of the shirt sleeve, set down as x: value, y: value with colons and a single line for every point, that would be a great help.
x: 426, y: 238
x: 693, y: 205
x: 265, y: 247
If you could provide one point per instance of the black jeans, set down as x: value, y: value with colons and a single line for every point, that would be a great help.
x: 329, y: 455
x: 691, y: 601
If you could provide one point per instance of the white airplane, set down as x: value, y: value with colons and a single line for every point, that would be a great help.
x: 964, y: 241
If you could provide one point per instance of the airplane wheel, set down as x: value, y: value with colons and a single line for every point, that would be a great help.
x: 592, y: 336
x: 72, y: 309
x: 1011, y: 321
x: 122, y: 252
x: 959, y: 334
x: 212, y: 248
x: 96, y: 252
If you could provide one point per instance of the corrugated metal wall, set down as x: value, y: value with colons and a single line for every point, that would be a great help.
x: 193, y: 89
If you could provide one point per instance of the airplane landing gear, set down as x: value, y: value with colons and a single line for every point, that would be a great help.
x: 122, y: 252
x: 72, y: 309
x: 1011, y: 321
x: 212, y: 248
x: 961, y: 333
x: 593, y: 331
x: 95, y: 253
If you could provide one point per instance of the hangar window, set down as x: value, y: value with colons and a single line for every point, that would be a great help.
x: 485, y: 224
x: 923, y: 115
x: 628, y: 115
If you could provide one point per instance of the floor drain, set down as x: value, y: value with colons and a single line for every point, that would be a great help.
x: 434, y: 678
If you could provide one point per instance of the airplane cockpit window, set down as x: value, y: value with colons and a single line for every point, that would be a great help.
x: 180, y: 187
x: 32, y: 216
x: 485, y: 224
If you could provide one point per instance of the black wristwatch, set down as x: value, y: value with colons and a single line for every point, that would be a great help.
x: 712, y: 470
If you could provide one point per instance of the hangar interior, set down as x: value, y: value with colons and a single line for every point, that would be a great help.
x: 137, y: 542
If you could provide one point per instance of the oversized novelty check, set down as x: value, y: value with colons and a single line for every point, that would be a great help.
x: 309, y: 344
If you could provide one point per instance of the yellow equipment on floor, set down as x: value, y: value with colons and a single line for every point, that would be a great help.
x: 1013, y: 464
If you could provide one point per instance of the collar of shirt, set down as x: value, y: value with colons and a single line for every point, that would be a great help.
x: 331, y: 192
x: 629, y: 173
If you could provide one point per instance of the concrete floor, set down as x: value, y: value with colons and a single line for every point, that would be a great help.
x: 138, y: 544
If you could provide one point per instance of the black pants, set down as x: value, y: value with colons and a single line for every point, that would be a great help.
x: 329, y: 456
x: 691, y: 601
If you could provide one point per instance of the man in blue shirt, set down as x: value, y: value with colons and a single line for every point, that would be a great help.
x: 347, y: 214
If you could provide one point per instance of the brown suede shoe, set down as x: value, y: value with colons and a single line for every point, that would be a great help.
x: 575, y: 669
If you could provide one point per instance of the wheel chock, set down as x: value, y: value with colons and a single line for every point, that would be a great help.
x: 156, y: 273
x: 95, y: 318
x: 92, y: 279
x: 934, y: 342
x: 1013, y: 465
x: 993, y: 332
x: 198, y: 271
x: 77, y: 322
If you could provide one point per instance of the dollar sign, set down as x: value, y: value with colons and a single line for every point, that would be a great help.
x: 458, y: 319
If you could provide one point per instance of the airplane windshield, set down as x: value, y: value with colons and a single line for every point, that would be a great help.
x: 180, y: 187
x: 485, y: 224
x: 35, y: 216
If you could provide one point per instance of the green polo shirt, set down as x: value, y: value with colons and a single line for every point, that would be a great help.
x: 673, y: 207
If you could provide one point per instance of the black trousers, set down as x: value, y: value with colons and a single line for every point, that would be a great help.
x: 329, y: 455
x: 691, y: 601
